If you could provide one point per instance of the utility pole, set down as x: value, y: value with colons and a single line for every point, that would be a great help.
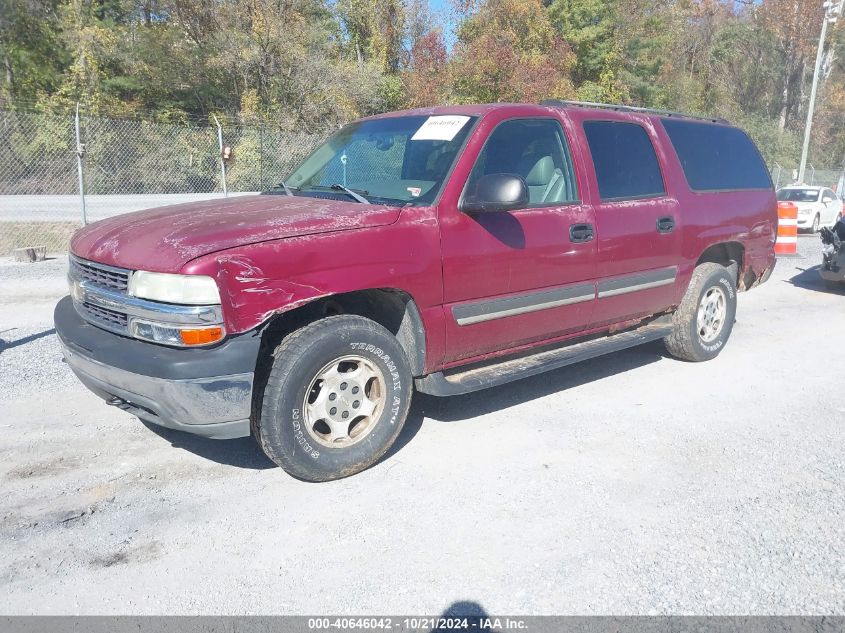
x: 832, y: 9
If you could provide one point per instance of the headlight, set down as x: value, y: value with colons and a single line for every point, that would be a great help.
x: 169, y: 334
x: 182, y: 289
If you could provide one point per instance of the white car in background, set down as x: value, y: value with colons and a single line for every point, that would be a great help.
x: 817, y: 206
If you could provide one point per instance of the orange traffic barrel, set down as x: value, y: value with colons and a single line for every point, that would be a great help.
x: 787, y: 241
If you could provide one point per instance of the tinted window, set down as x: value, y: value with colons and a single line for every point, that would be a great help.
x: 717, y: 157
x: 798, y: 195
x: 624, y: 158
x: 535, y: 149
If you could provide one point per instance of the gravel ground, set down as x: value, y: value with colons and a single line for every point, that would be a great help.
x: 630, y: 484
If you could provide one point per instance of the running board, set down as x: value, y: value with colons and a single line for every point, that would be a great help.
x: 481, y: 376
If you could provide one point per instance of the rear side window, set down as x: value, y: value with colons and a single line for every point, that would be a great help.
x: 624, y: 158
x: 717, y: 157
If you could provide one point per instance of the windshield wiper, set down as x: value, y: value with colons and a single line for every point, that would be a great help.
x: 284, y: 188
x: 288, y: 191
x: 357, y: 196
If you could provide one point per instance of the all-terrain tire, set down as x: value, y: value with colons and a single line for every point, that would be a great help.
x: 689, y: 340
x: 285, y: 426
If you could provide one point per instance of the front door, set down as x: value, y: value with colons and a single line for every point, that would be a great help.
x: 512, y: 278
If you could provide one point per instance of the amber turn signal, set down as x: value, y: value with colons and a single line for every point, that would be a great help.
x: 202, y: 336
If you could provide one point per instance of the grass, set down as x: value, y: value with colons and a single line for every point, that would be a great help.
x: 54, y: 235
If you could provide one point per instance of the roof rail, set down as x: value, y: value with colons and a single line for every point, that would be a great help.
x: 625, y: 108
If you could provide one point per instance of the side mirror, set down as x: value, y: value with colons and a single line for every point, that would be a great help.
x: 496, y: 192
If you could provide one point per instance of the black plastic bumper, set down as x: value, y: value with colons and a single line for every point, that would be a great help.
x: 206, y: 391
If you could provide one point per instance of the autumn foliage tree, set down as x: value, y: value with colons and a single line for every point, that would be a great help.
x: 508, y: 51
x: 318, y: 63
x: 427, y: 80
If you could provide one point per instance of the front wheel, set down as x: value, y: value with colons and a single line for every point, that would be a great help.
x: 704, y: 320
x: 336, y: 398
x: 816, y: 222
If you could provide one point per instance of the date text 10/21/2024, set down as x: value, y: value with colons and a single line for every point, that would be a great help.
x: 421, y: 623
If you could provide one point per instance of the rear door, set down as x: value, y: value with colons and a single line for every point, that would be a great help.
x: 637, y: 220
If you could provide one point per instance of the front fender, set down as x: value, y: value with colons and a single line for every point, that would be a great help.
x: 259, y: 281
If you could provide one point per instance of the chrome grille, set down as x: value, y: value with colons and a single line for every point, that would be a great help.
x: 109, y: 319
x: 99, y: 274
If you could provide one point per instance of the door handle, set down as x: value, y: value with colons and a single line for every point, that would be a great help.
x: 581, y: 233
x: 666, y: 224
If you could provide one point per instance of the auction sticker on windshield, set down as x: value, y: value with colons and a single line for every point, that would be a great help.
x: 440, y: 128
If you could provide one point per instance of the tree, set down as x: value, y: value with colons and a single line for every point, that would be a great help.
x: 794, y: 26
x: 427, y: 79
x: 508, y: 51
x: 30, y: 48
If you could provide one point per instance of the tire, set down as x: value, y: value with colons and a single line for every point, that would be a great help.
x: 347, y: 361
x: 698, y: 338
x: 815, y: 228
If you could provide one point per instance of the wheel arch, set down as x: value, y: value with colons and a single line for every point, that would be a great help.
x: 731, y: 255
x: 392, y: 308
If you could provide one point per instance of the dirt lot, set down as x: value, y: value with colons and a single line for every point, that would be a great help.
x: 629, y: 484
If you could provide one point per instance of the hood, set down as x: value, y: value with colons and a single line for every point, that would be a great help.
x: 167, y: 238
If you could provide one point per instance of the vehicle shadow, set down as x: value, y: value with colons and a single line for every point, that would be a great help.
x: 471, y: 405
x: 810, y: 279
x: 4, y: 345
x: 245, y: 452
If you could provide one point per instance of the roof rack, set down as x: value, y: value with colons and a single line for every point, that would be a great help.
x: 625, y: 108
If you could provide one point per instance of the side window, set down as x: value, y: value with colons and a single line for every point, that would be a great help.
x: 535, y: 149
x: 717, y: 157
x: 828, y: 196
x: 625, y: 162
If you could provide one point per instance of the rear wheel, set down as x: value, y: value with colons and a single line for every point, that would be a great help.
x: 704, y: 320
x: 336, y: 398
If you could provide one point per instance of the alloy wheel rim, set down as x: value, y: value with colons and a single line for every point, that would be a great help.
x: 711, y: 314
x: 344, y: 401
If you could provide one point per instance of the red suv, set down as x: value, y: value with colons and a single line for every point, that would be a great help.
x: 445, y: 250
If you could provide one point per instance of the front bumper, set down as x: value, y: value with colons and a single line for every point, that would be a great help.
x: 806, y: 221
x: 205, y: 391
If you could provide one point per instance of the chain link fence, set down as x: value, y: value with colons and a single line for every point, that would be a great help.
x: 833, y: 178
x: 126, y: 165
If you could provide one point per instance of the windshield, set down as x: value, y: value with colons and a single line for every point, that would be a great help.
x: 798, y: 195
x: 399, y: 160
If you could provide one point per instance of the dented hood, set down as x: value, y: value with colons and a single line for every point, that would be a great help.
x: 167, y: 238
